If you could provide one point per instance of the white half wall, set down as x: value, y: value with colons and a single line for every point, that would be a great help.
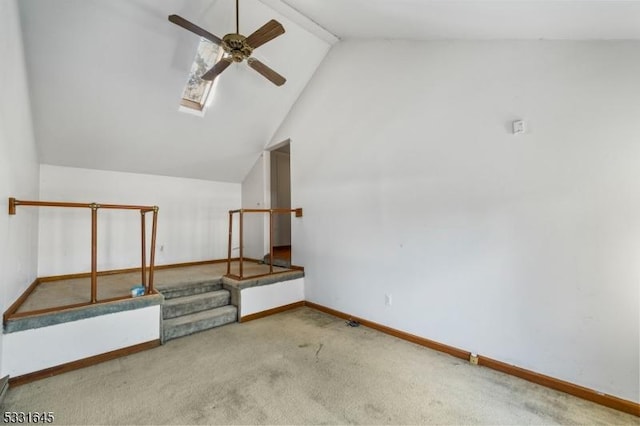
x: 265, y: 297
x: 40, y: 348
x: 523, y: 248
x: 193, y: 219
x: 18, y: 164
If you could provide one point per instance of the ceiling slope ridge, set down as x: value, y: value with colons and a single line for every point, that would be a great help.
x: 303, y: 21
x: 478, y: 19
x: 484, y: 39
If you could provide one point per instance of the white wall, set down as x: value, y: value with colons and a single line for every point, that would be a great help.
x: 254, y: 197
x: 18, y: 164
x: 520, y: 248
x: 192, y: 222
x: 70, y: 341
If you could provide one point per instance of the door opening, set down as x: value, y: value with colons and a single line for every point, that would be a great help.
x: 281, y: 199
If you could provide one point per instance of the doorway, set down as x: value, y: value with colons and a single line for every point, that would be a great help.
x: 280, y: 166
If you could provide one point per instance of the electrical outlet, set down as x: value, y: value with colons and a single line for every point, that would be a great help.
x: 388, y: 300
x: 473, y: 359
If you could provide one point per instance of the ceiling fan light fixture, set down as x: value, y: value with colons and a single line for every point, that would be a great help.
x: 237, y: 47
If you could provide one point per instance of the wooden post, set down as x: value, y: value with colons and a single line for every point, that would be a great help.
x: 154, y: 228
x: 230, y: 242
x: 143, y: 245
x: 271, y: 241
x: 12, y: 205
x: 241, y: 251
x: 94, y: 252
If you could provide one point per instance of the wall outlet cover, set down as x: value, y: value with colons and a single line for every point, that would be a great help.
x: 519, y: 127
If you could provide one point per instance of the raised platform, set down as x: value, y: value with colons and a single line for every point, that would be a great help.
x: 55, y: 313
x: 54, y: 292
x: 55, y: 300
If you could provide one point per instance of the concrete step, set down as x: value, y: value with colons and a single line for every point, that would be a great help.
x: 192, y: 323
x: 186, y: 305
x: 190, y: 289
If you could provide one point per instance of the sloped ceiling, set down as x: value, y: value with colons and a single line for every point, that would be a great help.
x: 475, y: 19
x: 106, y: 78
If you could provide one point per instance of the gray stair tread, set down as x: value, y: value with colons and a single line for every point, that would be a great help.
x: 189, y: 289
x: 190, y: 304
x: 191, y: 284
x: 200, y: 316
x: 196, y: 297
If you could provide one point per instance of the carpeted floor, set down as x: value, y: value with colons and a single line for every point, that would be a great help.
x: 298, y: 367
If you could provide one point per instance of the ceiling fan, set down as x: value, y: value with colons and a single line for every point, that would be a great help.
x: 238, y: 47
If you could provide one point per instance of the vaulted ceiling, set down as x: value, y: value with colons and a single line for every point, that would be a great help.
x: 106, y: 76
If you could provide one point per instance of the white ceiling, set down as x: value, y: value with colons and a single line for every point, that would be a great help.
x: 475, y: 19
x: 106, y: 76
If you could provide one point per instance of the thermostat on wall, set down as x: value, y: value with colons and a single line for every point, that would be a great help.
x: 518, y: 127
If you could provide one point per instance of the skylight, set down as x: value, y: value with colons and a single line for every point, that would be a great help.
x: 197, y: 91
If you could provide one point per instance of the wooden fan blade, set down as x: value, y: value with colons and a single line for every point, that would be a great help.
x: 180, y: 21
x: 217, y: 69
x: 265, y: 33
x: 267, y: 72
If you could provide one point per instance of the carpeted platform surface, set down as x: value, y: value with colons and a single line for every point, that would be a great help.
x: 78, y: 290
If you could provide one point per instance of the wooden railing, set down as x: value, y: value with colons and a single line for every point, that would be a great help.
x: 13, y: 203
x: 242, y: 212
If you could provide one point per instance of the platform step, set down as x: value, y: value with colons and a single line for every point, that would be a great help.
x: 186, y: 305
x: 189, y: 289
x: 192, y: 323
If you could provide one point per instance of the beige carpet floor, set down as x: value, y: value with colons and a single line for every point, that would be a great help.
x: 298, y: 367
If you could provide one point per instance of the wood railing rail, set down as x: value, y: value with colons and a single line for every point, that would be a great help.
x: 241, y: 212
x: 13, y: 203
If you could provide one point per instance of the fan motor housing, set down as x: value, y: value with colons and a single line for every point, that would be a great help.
x: 236, y: 46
